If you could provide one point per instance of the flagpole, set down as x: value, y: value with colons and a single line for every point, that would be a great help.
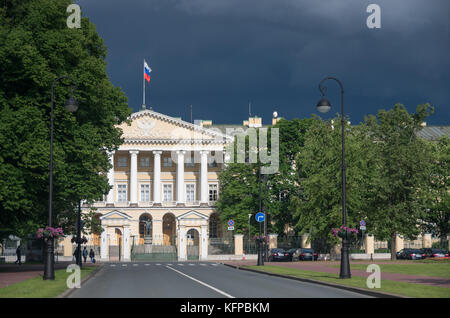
x: 143, y: 88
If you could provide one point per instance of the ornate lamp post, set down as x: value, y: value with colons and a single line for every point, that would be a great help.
x: 71, y: 106
x: 324, y: 106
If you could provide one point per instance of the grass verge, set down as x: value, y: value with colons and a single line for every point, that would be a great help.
x: 432, y: 269
x: 38, y: 288
x: 387, y: 286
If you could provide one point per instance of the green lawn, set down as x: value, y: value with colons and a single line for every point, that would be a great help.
x: 387, y: 286
x: 38, y: 288
x: 433, y: 269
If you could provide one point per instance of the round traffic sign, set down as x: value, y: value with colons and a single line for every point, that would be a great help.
x: 230, y: 222
x: 260, y: 217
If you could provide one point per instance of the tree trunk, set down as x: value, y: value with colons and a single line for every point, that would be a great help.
x: 393, y: 247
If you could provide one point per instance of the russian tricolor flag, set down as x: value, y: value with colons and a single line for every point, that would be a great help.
x: 147, y: 71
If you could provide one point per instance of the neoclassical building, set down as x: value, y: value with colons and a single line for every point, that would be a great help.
x: 164, y: 188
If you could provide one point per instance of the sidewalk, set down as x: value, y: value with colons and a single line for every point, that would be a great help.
x: 13, y: 273
x: 325, y: 267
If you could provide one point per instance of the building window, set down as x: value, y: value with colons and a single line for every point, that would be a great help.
x: 213, y: 192
x: 190, y: 192
x: 122, y: 161
x: 167, y: 192
x: 145, y: 192
x: 167, y: 162
x: 145, y: 162
x: 189, y: 162
x: 122, y: 192
x: 212, y: 164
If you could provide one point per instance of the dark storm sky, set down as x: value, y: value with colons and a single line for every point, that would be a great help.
x: 220, y: 54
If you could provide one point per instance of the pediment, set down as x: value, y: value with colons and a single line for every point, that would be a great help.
x: 115, y: 215
x: 147, y: 125
x: 192, y: 215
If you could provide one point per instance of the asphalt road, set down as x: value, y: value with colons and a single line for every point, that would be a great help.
x: 196, y: 280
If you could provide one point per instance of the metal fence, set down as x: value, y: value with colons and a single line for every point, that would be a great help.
x: 221, y: 245
x: 250, y: 246
x: 158, y: 249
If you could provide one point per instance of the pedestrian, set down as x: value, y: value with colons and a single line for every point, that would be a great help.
x: 85, y: 254
x: 19, y: 255
x: 75, y: 255
x: 92, y: 255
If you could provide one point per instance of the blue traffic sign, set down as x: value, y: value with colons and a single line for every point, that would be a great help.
x: 362, y: 223
x: 230, y: 223
x: 260, y: 217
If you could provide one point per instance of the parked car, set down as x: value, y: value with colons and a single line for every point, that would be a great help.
x: 292, y: 252
x: 434, y: 252
x: 307, y: 254
x: 409, y: 253
x: 278, y: 254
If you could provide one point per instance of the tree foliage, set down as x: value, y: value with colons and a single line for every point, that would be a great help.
x: 36, y: 47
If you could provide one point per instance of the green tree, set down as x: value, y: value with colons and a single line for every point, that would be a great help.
x: 320, y: 177
x: 402, y: 166
x: 436, y: 192
x: 36, y: 46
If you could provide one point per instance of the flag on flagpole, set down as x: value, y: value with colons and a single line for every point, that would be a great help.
x: 147, y: 71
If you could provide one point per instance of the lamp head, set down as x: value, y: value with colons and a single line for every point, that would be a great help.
x: 71, y: 105
x: 323, y: 105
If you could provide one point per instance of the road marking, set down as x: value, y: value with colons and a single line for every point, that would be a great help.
x: 113, y: 265
x: 192, y: 264
x: 214, y: 264
x: 203, y: 264
x: 158, y: 264
x: 202, y: 283
x: 169, y: 264
x: 124, y: 264
x: 179, y: 264
x: 147, y: 264
x: 135, y: 264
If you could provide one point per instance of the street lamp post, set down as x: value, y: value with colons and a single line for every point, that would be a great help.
x: 71, y: 106
x: 324, y: 106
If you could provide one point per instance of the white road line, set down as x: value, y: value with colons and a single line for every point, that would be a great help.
x: 124, y: 264
x: 113, y: 265
x: 147, y: 264
x: 214, y: 264
x: 202, y: 283
x: 180, y: 264
x: 158, y: 264
x: 192, y: 264
x: 135, y: 264
x: 169, y: 264
x: 203, y: 264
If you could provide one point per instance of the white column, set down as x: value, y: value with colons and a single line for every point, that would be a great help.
x: 133, y: 177
x: 180, y: 176
x: 103, y: 245
x: 204, y: 244
x: 126, y: 243
x: 182, y: 242
x: 157, y: 177
x: 110, y: 196
x: 204, y: 177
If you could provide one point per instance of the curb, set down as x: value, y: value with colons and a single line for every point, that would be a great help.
x: 68, y: 291
x: 307, y: 280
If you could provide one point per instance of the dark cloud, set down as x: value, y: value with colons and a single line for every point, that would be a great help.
x: 219, y: 54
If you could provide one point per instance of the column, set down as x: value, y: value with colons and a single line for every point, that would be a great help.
x: 204, y: 243
x: 305, y: 243
x: 204, y: 177
x: 103, y: 246
x: 182, y: 244
x: 273, y: 241
x: 426, y: 241
x: 157, y: 177
x: 133, y: 178
x: 369, y: 243
x: 180, y: 177
x: 398, y: 243
x: 126, y: 243
x: 157, y: 232
x: 238, y: 244
x: 110, y: 196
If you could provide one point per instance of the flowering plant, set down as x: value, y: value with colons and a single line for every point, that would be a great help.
x: 50, y: 232
x: 344, y: 232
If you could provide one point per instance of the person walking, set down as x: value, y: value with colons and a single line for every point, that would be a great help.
x: 92, y: 255
x: 19, y: 255
x: 85, y: 254
x: 75, y: 255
